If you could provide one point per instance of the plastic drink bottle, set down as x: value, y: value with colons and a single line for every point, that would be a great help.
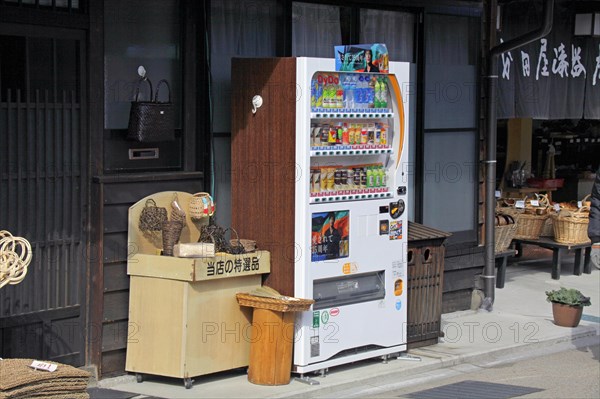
x: 384, y: 94
x: 371, y: 92
x: 376, y: 101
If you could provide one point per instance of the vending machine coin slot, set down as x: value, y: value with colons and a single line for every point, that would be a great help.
x: 397, y: 209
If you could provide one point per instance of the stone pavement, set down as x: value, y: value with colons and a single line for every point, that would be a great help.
x: 519, y: 326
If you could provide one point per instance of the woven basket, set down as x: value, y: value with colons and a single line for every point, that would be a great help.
x: 529, y: 226
x: 201, y: 206
x: 283, y: 304
x: 547, y: 229
x: 170, y: 234
x: 503, y: 236
x: 152, y: 217
x: 586, y: 202
x: 571, y: 227
x: 177, y: 214
x: 249, y: 245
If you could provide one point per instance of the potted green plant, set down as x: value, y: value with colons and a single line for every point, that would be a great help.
x: 567, y: 306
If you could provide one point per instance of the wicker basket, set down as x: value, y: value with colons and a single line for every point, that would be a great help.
x: 201, y: 206
x: 282, y: 304
x: 170, y: 234
x: 249, y: 245
x: 571, y: 227
x: 504, y: 235
x: 529, y: 226
x: 547, y: 228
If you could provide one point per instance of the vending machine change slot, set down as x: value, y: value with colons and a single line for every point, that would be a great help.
x: 347, y: 290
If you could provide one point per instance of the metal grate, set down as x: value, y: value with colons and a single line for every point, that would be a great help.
x: 473, y: 390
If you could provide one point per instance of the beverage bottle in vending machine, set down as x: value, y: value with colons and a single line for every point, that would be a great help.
x: 354, y: 89
x: 376, y: 101
x: 360, y: 92
x: 371, y: 92
x: 384, y: 94
x: 348, y: 92
x: 313, y: 92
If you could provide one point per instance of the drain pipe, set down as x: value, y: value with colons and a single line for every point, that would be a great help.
x: 490, y: 189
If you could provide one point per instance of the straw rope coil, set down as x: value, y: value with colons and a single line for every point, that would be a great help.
x: 15, y: 256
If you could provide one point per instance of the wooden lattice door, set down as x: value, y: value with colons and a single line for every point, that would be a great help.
x: 44, y: 189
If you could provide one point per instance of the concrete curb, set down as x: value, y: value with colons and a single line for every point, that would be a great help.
x: 377, y: 381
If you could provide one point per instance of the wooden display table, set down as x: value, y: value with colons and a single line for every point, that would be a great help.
x: 501, y: 263
x: 558, y: 250
x: 184, y: 320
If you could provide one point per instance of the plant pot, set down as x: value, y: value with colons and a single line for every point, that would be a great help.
x: 566, y: 315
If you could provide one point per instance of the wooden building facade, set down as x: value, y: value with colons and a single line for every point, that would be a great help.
x: 67, y: 177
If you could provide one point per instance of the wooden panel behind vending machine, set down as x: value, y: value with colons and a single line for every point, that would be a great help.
x: 263, y: 161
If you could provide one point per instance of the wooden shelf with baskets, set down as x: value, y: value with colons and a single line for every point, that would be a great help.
x: 178, y: 306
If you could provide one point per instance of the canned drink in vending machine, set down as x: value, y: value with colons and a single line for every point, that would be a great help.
x: 383, y: 139
x: 364, y: 138
x: 350, y: 178
x: 377, y: 134
x: 337, y: 180
x: 330, y: 179
x: 363, y: 177
x: 344, y: 179
x: 324, y: 135
x: 316, y: 180
x: 357, y: 177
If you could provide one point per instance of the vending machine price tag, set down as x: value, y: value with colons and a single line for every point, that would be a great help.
x: 520, y: 204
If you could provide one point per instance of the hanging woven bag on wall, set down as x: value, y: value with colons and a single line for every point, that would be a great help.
x: 151, y: 121
x: 152, y: 216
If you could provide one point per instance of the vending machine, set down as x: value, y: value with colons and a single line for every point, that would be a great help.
x: 333, y: 213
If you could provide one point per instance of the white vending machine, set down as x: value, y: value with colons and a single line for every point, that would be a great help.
x: 350, y: 213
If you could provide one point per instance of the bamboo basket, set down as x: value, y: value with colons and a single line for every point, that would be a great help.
x: 504, y: 234
x: 570, y: 227
x: 529, y: 226
x: 281, y: 304
x: 547, y: 228
x: 249, y: 245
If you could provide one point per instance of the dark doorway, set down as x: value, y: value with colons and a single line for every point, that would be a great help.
x: 44, y: 190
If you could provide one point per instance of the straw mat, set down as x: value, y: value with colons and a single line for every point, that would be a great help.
x: 16, y: 373
x: 78, y: 395
x: 64, y: 385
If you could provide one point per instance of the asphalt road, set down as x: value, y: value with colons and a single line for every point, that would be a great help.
x: 569, y: 374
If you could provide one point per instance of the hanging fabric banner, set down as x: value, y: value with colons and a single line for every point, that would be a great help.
x: 556, y: 77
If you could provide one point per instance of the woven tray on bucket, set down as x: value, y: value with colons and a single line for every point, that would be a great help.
x: 571, y: 227
x: 281, y: 304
